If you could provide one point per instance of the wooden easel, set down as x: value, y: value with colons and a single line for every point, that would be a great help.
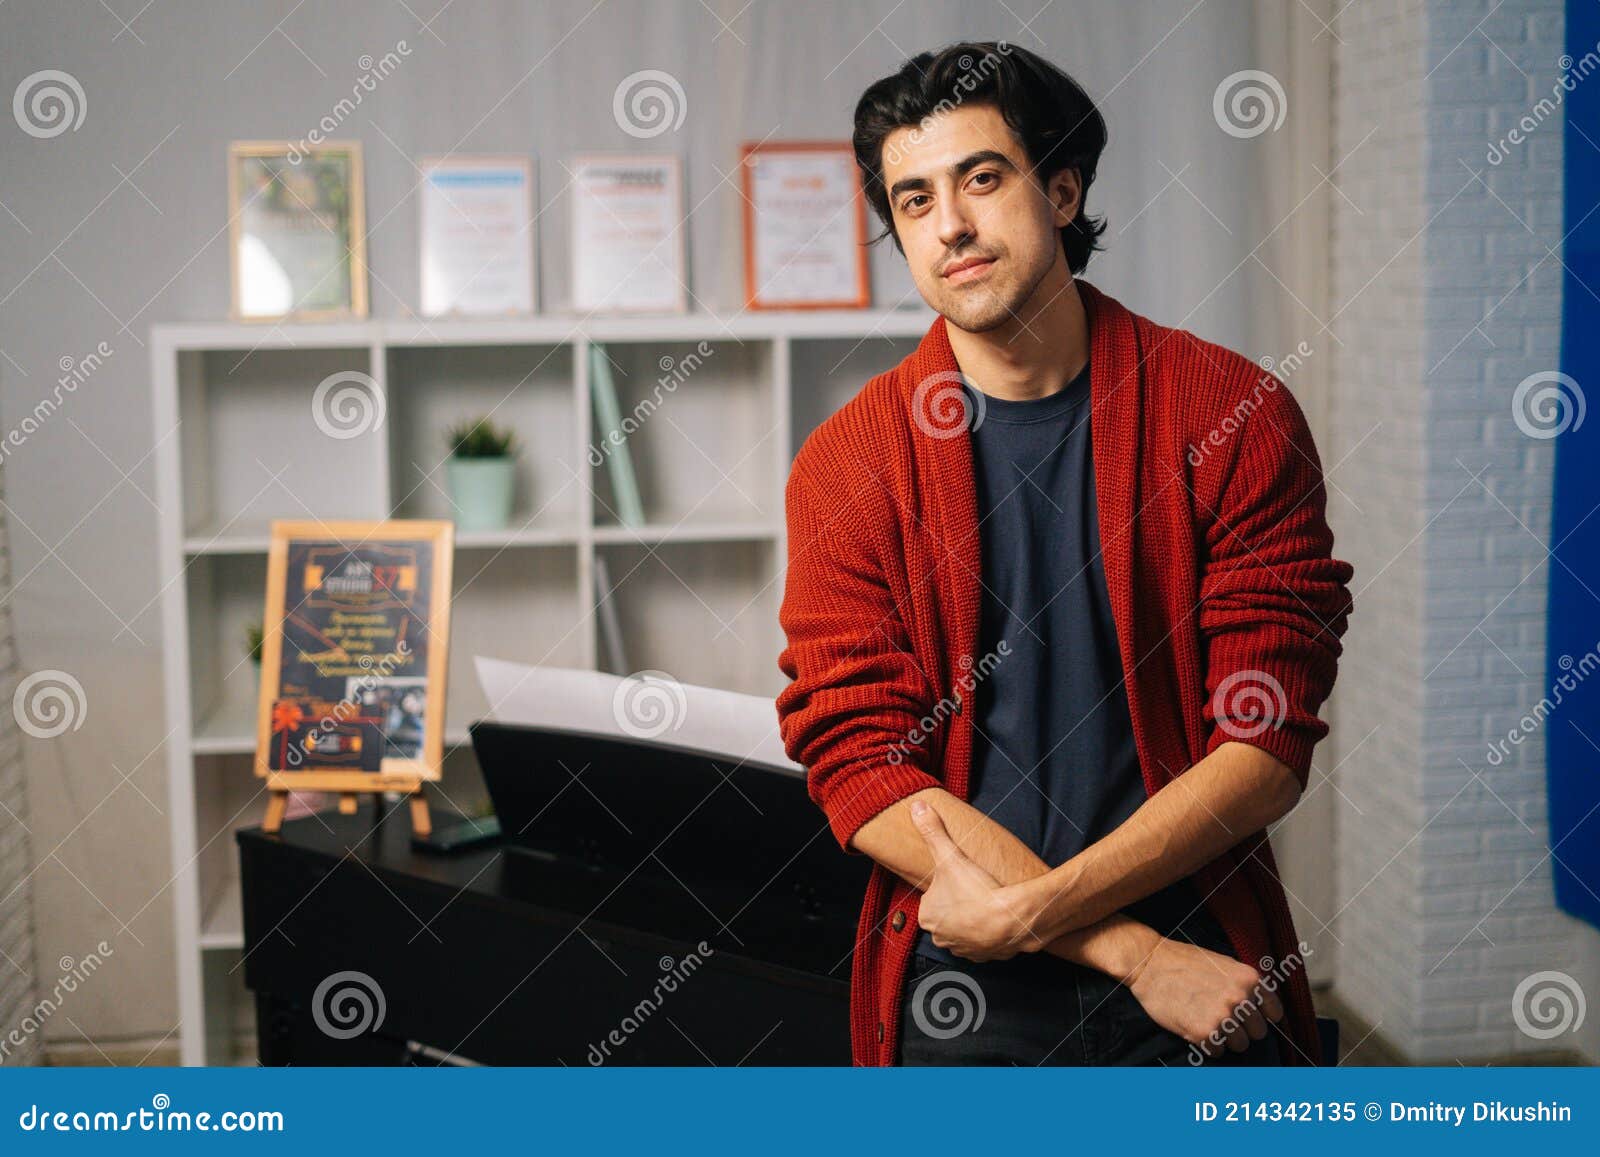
x: 349, y: 785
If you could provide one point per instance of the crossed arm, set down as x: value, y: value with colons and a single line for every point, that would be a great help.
x: 1234, y: 792
x: 1116, y: 945
x: 986, y: 895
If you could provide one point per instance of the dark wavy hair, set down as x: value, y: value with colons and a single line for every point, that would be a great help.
x: 1058, y: 125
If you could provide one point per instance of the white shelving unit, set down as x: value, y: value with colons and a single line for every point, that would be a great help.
x: 697, y: 588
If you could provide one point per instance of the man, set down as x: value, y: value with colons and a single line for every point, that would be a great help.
x: 1061, y: 609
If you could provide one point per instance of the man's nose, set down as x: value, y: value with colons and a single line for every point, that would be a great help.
x: 954, y: 226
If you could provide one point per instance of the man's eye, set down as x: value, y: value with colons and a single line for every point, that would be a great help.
x: 912, y: 202
x: 988, y: 179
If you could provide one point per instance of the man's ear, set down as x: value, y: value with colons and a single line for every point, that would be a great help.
x: 1066, y: 195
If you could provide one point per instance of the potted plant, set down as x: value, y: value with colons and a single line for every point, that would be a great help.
x: 481, y: 473
x: 253, y: 635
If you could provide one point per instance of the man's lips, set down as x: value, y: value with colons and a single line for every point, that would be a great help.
x: 967, y: 269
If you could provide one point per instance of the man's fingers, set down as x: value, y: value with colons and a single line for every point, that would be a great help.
x: 1254, y: 1023
x: 1271, y: 1006
x: 931, y: 825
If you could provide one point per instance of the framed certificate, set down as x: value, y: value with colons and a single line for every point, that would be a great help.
x: 354, y: 655
x: 627, y: 235
x: 805, y: 226
x: 477, y: 236
x: 297, y: 231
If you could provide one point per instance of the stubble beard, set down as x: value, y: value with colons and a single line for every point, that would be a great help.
x: 985, y: 308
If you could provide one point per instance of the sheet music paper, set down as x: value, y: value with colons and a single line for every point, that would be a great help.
x: 648, y: 705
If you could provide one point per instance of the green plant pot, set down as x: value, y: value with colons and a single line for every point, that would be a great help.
x: 481, y: 489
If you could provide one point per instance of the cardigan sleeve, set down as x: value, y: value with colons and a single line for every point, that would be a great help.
x: 856, y: 692
x: 1274, y: 602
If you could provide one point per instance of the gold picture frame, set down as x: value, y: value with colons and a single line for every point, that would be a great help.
x: 296, y: 231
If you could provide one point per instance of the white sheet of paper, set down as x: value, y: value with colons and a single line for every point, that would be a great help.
x: 477, y: 237
x: 627, y: 235
x: 649, y: 706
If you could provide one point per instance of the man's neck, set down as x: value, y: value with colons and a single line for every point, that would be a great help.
x: 1042, y: 348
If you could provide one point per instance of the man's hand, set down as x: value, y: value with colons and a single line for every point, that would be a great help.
x: 1210, y: 1000
x: 964, y: 908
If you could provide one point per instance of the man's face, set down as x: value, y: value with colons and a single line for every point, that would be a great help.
x: 979, y: 231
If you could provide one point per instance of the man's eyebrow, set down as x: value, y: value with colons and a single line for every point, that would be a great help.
x: 965, y: 165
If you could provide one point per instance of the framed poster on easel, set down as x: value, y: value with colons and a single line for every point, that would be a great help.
x: 354, y: 655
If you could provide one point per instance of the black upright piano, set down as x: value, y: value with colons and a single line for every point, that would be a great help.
x: 645, y: 906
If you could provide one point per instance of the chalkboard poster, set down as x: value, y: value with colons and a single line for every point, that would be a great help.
x: 354, y: 654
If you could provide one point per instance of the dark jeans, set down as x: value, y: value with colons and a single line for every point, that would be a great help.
x: 1038, y: 1010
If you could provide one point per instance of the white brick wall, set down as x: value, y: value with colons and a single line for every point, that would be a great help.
x: 1446, y: 298
x: 16, y: 927
x: 1375, y: 498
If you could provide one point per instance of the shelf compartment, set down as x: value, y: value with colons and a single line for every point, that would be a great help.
x: 520, y: 605
x: 226, y: 593
x: 228, y: 796
x: 825, y: 373
x: 700, y: 428
x: 253, y: 448
x: 528, y: 388
x: 703, y: 613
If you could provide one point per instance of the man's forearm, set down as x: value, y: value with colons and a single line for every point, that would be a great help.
x: 1234, y: 792
x: 1115, y: 944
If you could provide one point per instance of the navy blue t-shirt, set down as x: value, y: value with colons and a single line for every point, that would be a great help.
x: 1053, y: 756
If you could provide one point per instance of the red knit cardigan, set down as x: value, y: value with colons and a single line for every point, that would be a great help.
x: 1225, y: 593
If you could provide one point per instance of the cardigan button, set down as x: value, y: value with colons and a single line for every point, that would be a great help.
x: 880, y: 1032
x: 958, y: 702
x: 898, y: 921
